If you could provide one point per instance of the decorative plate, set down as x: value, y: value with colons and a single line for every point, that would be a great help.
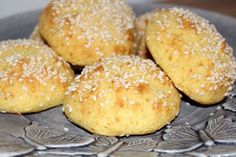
x: 198, y: 131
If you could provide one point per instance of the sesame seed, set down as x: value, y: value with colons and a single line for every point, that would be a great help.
x: 215, y: 87
x: 101, y: 104
x: 175, y: 52
x: 211, y: 114
x: 188, y: 104
x: 81, y: 99
x: 132, y: 102
x: 53, y: 88
x: 11, y: 81
x: 164, y: 103
x: 202, y: 85
x: 211, y: 45
x: 187, y: 123
x: 35, y: 66
x: 42, y: 94
x: 119, y: 73
x: 48, y: 98
x: 107, y: 101
x: 66, y: 129
x: 70, y: 109
x: 94, y: 98
x: 160, y: 76
x: 25, y: 88
x: 109, y: 12
x: 226, y: 94
x: 8, y: 94
x: 218, y: 107
x: 186, y: 52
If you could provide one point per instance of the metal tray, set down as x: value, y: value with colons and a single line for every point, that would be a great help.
x: 198, y: 131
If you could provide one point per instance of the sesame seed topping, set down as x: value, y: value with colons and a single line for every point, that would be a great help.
x: 30, y: 60
x: 119, y: 72
x: 211, y: 44
x: 114, y: 72
x: 93, y: 19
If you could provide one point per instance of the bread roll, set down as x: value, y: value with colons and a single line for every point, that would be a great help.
x: 32, y: 77
x: 84, y: 31
x: 122, y: 95
x: 193, y: 54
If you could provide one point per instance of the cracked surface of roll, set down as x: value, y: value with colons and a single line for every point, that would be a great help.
x: 84, y: 31
x: 122, y: 95
x: 193, y: 53
x: 32, y: 77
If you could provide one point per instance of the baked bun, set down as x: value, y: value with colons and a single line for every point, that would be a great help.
x: 84, y: 31
x: 141, y: 24
x: 35, y: 35
x: 32, y: 77
x: 122, y: 95
x: 192, y: 53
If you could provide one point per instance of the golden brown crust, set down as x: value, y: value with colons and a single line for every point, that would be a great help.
x: 83, y: 32
x: 32, y: 77
x: 120, y: 96
x: 193, y: 54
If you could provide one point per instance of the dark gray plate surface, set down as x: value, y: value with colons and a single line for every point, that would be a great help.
x: 198, y: 131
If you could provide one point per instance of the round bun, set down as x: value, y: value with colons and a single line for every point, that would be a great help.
x: 32, y: 77
x: 192, y: 53
x: 35, y: 35
x: 122, y: 95
x: 141, y: 24
x: 84, y: 31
